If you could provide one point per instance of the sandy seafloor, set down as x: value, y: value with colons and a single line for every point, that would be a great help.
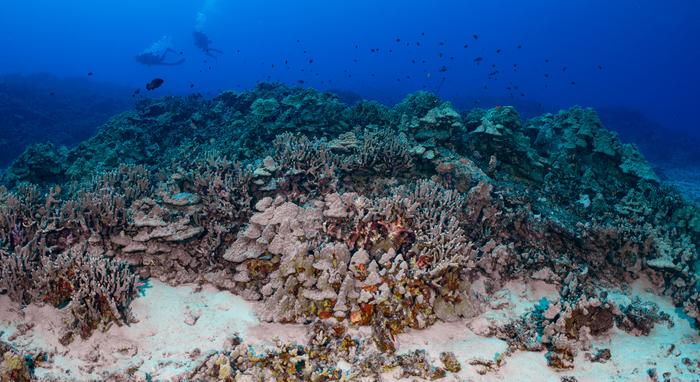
x: 179, y: 326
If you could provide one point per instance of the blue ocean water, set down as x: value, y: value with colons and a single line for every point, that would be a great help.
x: 631, y: 58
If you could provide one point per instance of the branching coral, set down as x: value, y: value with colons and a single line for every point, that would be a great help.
x: 353, y: 216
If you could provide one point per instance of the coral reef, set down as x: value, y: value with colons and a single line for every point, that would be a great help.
x: 349, y: 217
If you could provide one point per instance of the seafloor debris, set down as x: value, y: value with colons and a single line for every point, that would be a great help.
x: 344, y: 217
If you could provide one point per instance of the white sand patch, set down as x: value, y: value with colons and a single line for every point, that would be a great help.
x: 631, y: 356
x: 173, y: 321
x: 159, y: 345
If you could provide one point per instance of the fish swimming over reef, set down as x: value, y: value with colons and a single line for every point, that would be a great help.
x: 154, y: 84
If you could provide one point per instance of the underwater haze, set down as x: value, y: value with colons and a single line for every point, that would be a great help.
x: 647, y: 49
x: 267, y: 190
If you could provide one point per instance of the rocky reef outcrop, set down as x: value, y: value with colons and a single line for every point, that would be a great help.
x: 346, y: 217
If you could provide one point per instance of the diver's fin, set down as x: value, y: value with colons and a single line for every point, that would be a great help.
x: 182, y: 60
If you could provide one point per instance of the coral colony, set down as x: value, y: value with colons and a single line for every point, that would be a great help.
x: 362, y: 223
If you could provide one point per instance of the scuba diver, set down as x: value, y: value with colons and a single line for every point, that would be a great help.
x: 202, y: 42
x: 156, y: 53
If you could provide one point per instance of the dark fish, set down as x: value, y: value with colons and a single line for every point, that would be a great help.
x: 440, y: 55
x: 52, y: 93
x: 573, y: 82
x: 300, y: 81
x: 443, y: 69
x: 466, y: 46
x: 442, y: 43
x: 546, y: 60
x: 478, y: 60
x: 600, y: 67
x: 191, y: 86
x: 476, y: 36
x: 417, y: 43
x: 154, y: 84
x: 546, y: 75
x: 520, y: 46
x: 498, y: 51
x: 90, y: 73
x: 398, y: 39
x: 286, y: 62
x: 311, y: 61
x: 563, y: 69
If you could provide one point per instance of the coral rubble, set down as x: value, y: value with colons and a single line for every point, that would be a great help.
x: 345, y: 217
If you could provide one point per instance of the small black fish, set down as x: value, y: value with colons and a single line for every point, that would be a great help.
x: 476, y: 36
x: 498, y: 51
x: 443, y: 69
x: 600, y: 67
x: 154, y: 84
x: 300, y: 81
x: 546, y: 60
x: 311, y: 61
x: 440, y: 55
x: 417, y: 43
x: 90, y: 73
x: 466, y: 46
x: 442, y: 43
x: 191, y: 86
x: 52, y: 93
x: 563, y: 69
x: 286, y: 62
x: 520, y: 46
x: 573, y: 82
x: 478, y: 60
x: 546, y: 75
x: 398, y: 39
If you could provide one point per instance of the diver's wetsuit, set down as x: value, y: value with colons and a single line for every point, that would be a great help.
x: 202, y: 42
x: 150, y: 58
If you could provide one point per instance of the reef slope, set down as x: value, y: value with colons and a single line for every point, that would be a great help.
x: 363, y: 224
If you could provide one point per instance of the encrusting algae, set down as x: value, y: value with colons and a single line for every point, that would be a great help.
x: 342, y: 217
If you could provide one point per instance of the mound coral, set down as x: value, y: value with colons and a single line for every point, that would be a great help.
x: 362, y: 216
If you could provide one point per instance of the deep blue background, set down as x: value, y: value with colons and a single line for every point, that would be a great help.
x: 648, y: 49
